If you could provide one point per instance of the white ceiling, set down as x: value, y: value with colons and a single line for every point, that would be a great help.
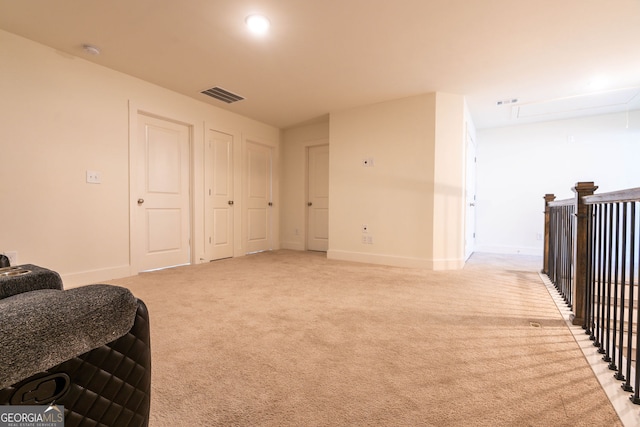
x: 326, y: 55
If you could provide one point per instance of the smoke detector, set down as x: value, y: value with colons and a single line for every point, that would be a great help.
x: 91, y: 49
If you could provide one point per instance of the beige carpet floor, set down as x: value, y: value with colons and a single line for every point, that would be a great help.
x: 290, y: 338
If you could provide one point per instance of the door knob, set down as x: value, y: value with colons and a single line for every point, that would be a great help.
x: 270, y: 203
x: 140, y: 201
x: 309, y: 204
x: 472, y: 204
x: 230, y: 202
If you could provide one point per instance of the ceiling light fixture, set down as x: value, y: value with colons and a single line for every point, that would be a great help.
x: 90, y: 49
x: 257, y: 24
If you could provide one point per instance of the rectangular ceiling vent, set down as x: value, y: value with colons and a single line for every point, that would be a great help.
x: 222, y: 95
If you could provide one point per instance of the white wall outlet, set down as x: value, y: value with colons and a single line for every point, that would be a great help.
x: 538, y: 236
x: 94, y: 177
x: 369, y: 240
x: 13, y: 257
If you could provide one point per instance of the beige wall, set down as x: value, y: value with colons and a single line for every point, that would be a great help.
x: 449, y: 182
x: 61, y: 116
x: 296, y: 142
x: 412, y: 195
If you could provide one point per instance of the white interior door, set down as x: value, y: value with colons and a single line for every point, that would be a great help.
x: 258, y: 197
x: 220, y: 194
x: 470, y: 195
x: 162, y: 199
x: 318, y: 198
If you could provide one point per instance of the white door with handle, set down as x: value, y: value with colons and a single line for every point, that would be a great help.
x: 161, y: 200
x: 258, y: 193
x: 318, y: 198
x: 220, y: 195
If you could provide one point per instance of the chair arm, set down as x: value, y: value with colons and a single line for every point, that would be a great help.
x: 43, y: 328
x: 26, y: 278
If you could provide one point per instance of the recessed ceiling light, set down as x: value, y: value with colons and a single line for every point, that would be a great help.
x: 90, y: 49
x: 257, y: 24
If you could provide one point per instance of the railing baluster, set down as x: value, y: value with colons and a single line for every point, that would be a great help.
x: 627, y: 385
x: 589, y: 291
x: 596, y: 269
x: 561, y: 248
x: 609, y: 261
x: 591, y: 265
x: 553, y: 230
x: 602, y: 253
x: 623, y: 269
x: 615, y: 233
x: 636, y: 397
x: 570, y: 219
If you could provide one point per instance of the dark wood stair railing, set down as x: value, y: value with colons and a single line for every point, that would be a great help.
x: 591, y: 255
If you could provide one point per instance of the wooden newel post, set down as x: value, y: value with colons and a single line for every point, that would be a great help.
x: 580, y: 251
x: 547, y: 216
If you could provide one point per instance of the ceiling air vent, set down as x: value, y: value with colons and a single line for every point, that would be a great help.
x: 222, y: 95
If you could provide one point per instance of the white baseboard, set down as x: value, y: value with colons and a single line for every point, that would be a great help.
x: 396, y: 261
x: 296, y: 246
x: 73, y: 280
x: 509, y: 250
x: 448, y: 264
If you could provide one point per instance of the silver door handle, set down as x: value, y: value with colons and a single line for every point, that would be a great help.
x: 472, y: 204
x: 140, y: 201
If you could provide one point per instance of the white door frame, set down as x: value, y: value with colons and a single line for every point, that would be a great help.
x: 470, y: 203
x: 136, y: 109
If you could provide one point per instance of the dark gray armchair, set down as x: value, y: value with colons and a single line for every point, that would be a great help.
x: 86, y: 348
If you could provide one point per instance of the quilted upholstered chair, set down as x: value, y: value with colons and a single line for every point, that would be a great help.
x: 85, y: 348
